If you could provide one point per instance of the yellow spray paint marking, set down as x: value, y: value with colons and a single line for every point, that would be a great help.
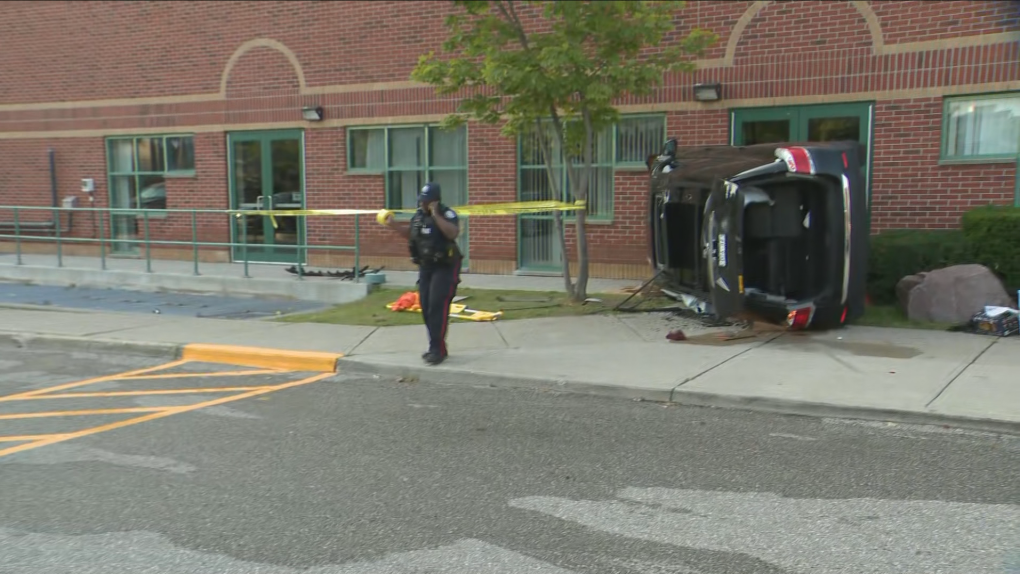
x: 28, y: 437
x: 203, y: 375
x: 165, y: 412
x: 100, y: 394
x: 94, y: 380
x: 78, y: 413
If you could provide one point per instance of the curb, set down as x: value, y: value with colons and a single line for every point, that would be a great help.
x: 681, y: 397
x: 206, y: 353
x: 33, y: 342
x: 443, y: 376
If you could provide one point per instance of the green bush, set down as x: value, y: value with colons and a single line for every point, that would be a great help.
x: 993, y: 233
x: 896, y: 254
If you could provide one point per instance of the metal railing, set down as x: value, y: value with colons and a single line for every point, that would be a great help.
x: 26, y: 224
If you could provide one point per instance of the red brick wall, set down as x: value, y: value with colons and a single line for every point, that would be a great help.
x: 805, y: 51
x: 911, y: 189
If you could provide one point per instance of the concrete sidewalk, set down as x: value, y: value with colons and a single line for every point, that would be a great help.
x: 907, y: 376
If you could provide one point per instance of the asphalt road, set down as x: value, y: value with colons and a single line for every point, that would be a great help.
x: 351, y: 475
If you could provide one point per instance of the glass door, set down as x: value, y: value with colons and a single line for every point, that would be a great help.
x: 267, y: 173
x: 815, y: 123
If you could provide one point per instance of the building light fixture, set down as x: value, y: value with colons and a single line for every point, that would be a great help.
x: 708, y: 92
x: 312, y: 114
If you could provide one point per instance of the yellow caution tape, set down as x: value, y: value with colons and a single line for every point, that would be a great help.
x: 485, y: 209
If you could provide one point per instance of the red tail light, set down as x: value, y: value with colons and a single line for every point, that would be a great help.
x: 799, y: 318
x: 842, y: 318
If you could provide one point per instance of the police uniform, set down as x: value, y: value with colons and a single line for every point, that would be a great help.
x: 439, y: 260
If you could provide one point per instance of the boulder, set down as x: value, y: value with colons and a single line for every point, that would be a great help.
x: 905, y: 286
x: 952, y: 294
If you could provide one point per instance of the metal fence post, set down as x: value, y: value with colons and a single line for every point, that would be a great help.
x: 56, y: 226
x: 194, y: 240
x: 17, y: 234
x: 148, y: 254
x: 244, y: 244
x: 102, y: 240
x: 357, y: 248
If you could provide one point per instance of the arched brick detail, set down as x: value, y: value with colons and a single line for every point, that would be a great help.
x: 261, y: 67
x: 820, y: 27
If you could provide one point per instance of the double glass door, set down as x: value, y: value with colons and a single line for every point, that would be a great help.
x: 816, y: 123
x: 267, y: 173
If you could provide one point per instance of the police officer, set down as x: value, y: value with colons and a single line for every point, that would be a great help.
x: 432, y: 235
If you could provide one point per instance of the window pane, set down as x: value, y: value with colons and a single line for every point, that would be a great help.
x: 150, y: 154
x: 600, y: 193
x: 122, y: 156
x: 638, y: 138
x: 448, y: 148
x: 368, y: 149
x: 407, y: 147
x: 180, y: 153
x: 403, y: 187
x: 454, y: 185
x: 765, y: 131
x: 603, y: 152
x: 531, y: 148
x: 535, y: 185
x: 122, y: 192
x: 983, y: 127
x: 152, y: 192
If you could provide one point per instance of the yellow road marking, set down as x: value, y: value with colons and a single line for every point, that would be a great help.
x: 27, y: 437
x: 158, y: 415
x: 91, y: 381
x: 194, y: 375
x: 78, y: 413
x: 260, y: 357
x: 143, y: 393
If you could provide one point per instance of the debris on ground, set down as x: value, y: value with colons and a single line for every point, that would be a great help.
x: 410, y: 302
x: 992, y: 320
x: 345, y: 275
x: 523, y: 299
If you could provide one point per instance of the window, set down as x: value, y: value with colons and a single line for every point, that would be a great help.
x: 626, y: 144
x: 410, y: 156
x: 139, y: 166
x: 982, y: 128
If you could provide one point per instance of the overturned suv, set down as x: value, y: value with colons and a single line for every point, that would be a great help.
x: 779, y: 231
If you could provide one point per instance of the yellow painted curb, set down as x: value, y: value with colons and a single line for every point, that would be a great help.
x: 261, y: 357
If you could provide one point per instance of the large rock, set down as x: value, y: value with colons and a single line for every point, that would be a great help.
x: 905, y: 286
x: 953, y: 294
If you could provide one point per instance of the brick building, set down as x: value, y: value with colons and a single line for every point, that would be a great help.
x: 185, y: 105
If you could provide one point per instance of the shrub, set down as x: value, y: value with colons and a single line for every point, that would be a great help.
x: 896, y: 254
x: 993, y: 233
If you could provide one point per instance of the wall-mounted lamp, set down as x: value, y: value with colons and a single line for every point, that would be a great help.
x: 312, y: 114
x: 708, y: 92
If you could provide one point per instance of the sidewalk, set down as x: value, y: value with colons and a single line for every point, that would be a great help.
x: 907, y: 376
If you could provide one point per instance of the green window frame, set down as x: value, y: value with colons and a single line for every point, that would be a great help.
x: 983, y: 128
x: 408, y: 156
x: 625, y: 145
x: 137, y: 166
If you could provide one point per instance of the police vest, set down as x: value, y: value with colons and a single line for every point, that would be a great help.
x: 426, y: 242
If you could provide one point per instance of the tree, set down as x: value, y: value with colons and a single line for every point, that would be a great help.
x: 555, y: 69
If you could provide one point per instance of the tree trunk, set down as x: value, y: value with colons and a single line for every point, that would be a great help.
x: 561, y: 236
x: 554, y: 185
x: 581, y: 286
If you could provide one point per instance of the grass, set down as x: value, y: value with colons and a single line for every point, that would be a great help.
x: 892, y: 316
x: 515, y: 305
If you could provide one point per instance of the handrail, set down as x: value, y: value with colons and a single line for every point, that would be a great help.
x: 104, y: 219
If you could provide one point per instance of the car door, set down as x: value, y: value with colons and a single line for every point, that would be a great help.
x: 722, y: 240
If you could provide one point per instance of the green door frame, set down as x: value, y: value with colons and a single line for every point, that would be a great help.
x: 799, y: 116
x: 267, y: 252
